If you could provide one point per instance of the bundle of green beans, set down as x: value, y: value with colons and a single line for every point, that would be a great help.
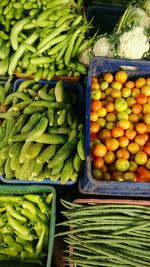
x: 107, y: 235
x: 24, y: 227
x: 43, y: 37
x: 41, y: 135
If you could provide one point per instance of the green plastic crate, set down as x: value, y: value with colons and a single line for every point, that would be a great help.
x: 33, y: 189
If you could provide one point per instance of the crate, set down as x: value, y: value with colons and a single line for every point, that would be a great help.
x: 111, y: 3
x: 104, y: 18
x: 88, y: 185
x: 33, y: 189
x: 69, y: 86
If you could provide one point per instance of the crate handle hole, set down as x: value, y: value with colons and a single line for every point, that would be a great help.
x: 129, y: 68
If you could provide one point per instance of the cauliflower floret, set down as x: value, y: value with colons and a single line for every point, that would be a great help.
x: 133, y: 44
x: 103, y: 47
x: 86, y: 56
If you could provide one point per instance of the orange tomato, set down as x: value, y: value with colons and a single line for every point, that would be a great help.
x: 123, y: 153
x: 96, y: 105
x: 141, y: 99
x: 147, y: 148
x: 133, y: 148
x: 99, y: 150
x: 95, y: 86
x: 110, y: 107
x: 93, y: 116
x: 129, y: 84
x: 130, y: 134
x: 121, y: 76
x: 140, y: 82
x: 108, y: 77
x: 94, y: 127
x: 94, y: 79
x: 123, y: 141
x: 133, y: 118
x: 98, y: 162
x: 136, y: 109
x: 104, y: 134
x: 141, y: 128
x: 124, y: 124
x: 117, y: 132
x: 140, y: 140
x: 111, y: 144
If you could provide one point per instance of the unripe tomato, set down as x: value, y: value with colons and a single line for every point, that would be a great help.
x: 129, y: 176
x: 115, y: 93
x: 135, y: 92
x: 133, y: 166
x: 102, y: 122
x: 122, y: 115
x: 124, y: 124
x: 97, y: 174
x: 140, y: 82
x: 104, y: 85
x: 146, y: 90
x: 93, y: 116
x: 126, y: 92
x: 133, y: 118
x: 96, y: 95
x: 121, y: 104
x: 136, y: 109
x: 122, y: 165
x: 141, y: 158
x: 116, y: 85
x: 102, y: 112
x: 111, y: 117
x: 110, y: 125
x: 146, y: 108
x: 146, y: 118
x: 109, y: 157
x: 117, y: 176
x: 131, y: 101
x: 121, y: 76
x: 133, y: 148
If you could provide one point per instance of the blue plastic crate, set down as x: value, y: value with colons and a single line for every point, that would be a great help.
x: 104, y: 17
x: 88, y: 185
x: 77, y: 89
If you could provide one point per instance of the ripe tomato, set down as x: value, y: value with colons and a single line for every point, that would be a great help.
x: 141, y: 139
x: 143, y: 175
x: 136, y: 109
x: 122, y: 165
x: 99, y: 150
x: 141, y: 128
x: 140, y: 82
x: 94, y: 127
x: 124, y: 124
x: 133, y: 118
x: 117, y: 132
x: 147, y: 148
x: 108, y: 77
x: 133, y: 148
x: 110, y: 107
x: 95, y: 86
x: 96, y: 105
x: 111, y: 144
x: 141, y: 158
x: 93, y: 136
x: 122, y: 153
x: 121, y: 76
x: 129, y: 84
x: 141, y: 99
x: 123, y: 141
x: 98, y: 162
x: 104, y: 134
x: 109, y: 157
x: 94, y: 79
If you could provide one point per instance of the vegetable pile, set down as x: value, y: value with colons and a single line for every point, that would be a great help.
x: 24, y: 227
x: 120, y: 127
x: 41, y: 135
x: 43, y: 38
x: 107, y: 235
x: 130, y: 37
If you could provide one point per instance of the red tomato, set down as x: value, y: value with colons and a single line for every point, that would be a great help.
x: 110, y: 107
x: 141, y: 99
x: 98, y: 162
x: 136, y: 109
x: 117, y: 132
x: 94, y: 127
x: 96, y: 105
x: 147, y: 149
x: 93, y: 136
x: 143, y: 175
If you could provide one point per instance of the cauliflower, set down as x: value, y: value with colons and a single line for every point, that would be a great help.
x: 133, y: 44
x: 103, y: 47
x: 86, y: 56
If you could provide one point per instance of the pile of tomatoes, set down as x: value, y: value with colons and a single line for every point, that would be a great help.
x: 120, y: 127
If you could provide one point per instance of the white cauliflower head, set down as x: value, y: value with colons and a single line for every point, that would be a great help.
x: 85, y: 56
x: 103, y: 47
x: 133, y: 44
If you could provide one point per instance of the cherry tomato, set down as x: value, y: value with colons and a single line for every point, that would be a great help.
x: 133, y: 148
x: 110, y: 107
x: 141, y: 158
x: 123, y: 141
x: 99, y: 150
x: 108, y: 77
x: 122, y: 153
x: 111, y: 144
x: 141, y: 128
x: 117, y: 132
x: 98, y: 162
x: 94, y: 127
x: 109, y: 157
x: 121, y: 76
x: 141, y: 99
x: 122, y: 165
x: 96, y: 105
x: 130, y: 84
x: 140, y: 82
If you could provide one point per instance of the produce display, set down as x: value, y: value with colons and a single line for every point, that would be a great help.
x: 130, y: 37
x: 43, y: 38
x: 106, y: 235
x: 25, y: 227
x: 120, y: 127
x: 41, y: 135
